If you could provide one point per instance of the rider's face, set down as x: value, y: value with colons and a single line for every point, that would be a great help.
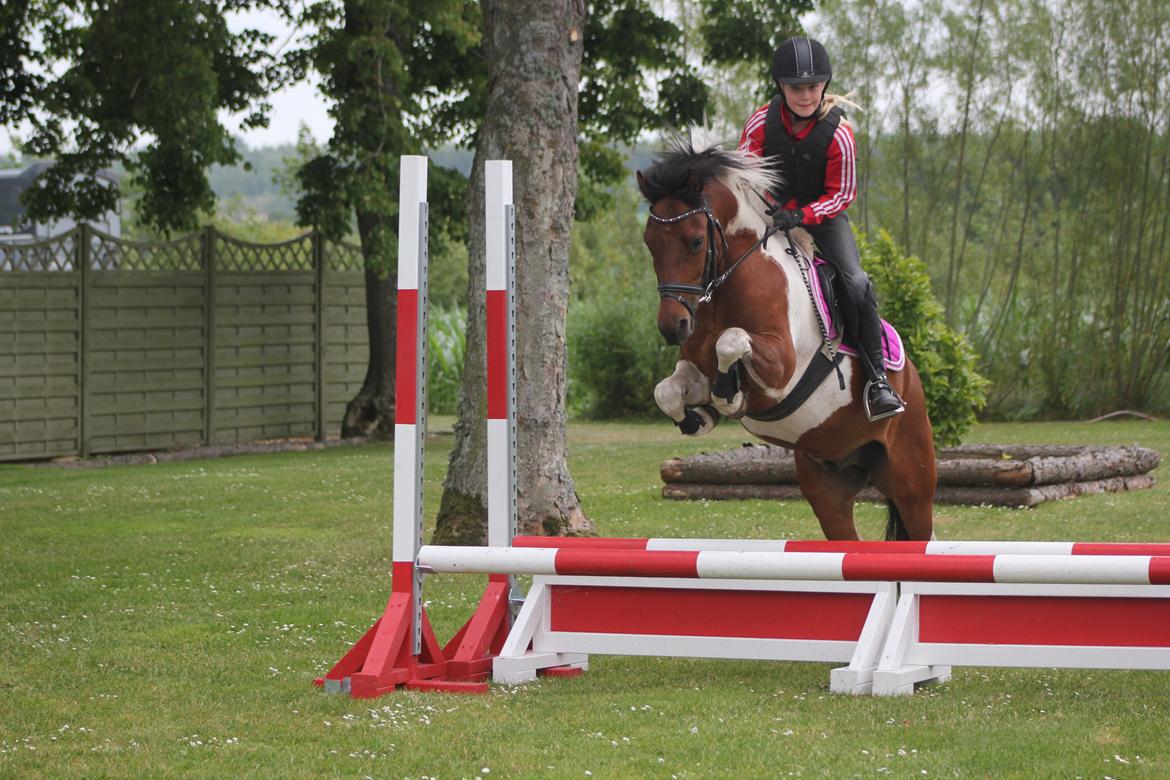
x: 803, y: 99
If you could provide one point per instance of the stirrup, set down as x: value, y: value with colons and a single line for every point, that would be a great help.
x: 881, y: 415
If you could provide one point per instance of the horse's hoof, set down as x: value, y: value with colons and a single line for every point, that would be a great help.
x: 730, y: 408
x: 698, y: 420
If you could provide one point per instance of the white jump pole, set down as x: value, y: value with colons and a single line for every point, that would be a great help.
x: 821, y: 566
x: 899, y: 548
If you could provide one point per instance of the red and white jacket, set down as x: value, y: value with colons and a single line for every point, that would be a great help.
x: 840, y: 164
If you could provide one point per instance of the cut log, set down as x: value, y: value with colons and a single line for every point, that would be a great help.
x: 968, y: 465
x: 964, y: 495
x: 751, y: 464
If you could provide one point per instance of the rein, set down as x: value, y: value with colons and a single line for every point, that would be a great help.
x: 709, y: 283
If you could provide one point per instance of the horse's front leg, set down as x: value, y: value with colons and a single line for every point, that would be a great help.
x: 733, y: 345
x: 685, y: 397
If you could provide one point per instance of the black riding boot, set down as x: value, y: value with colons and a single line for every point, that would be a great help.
x: 880, y: 399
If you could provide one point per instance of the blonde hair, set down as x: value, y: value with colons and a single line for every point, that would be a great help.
x: 830, y: 101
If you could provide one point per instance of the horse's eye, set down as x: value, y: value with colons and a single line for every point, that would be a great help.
x: 695, y: 244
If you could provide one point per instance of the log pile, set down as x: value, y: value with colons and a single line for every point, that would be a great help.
x: 982, y: 474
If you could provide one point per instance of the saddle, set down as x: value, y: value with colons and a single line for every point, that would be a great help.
x: 829, y: 308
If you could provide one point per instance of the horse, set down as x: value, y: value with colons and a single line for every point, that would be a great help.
x: 735, y: 296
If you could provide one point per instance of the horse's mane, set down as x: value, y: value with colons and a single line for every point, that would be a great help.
x: 674, y: 172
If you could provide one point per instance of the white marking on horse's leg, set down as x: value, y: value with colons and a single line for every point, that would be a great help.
x: 732, y: 345
x: 668, y: 394
x: 685, y: 387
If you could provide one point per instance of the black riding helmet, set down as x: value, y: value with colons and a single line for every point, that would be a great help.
x: 801, y: 61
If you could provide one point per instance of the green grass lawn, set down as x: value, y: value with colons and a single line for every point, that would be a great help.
x: 169, y: 619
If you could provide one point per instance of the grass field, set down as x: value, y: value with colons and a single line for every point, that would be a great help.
x: 169, y: 619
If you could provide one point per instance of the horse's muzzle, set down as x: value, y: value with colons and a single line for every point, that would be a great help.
x: 676, y: 330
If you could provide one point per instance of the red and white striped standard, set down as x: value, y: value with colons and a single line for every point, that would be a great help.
x: 410, y: 380
x: 823, y: 566
x: 892, y: 548
x: 500, y: 374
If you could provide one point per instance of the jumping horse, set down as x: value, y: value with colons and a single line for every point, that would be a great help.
x: 736, y: 296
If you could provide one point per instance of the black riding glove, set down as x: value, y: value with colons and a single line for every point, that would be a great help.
x: 786, y: 219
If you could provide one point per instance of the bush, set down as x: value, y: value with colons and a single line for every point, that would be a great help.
x: 955, y: 391
x: 446, y: 346
x: 616, y: 355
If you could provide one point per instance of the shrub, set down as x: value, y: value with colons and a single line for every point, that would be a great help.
x: 446, y: 346
x: 616, y: 355
x: 955, y: 391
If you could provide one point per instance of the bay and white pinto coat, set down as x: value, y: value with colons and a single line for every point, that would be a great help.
x: 687, y: 388
x: 762, y: 320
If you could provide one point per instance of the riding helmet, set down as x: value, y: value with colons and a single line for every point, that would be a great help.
x: 801, y: 61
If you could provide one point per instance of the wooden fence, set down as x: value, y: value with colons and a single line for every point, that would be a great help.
x: 109, y: 345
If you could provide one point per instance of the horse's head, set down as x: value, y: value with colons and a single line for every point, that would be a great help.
x: 698, y: 200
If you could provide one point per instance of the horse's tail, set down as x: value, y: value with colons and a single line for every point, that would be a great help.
x: 895, y: 527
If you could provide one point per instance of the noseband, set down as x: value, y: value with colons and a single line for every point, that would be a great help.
x: 710, y: 282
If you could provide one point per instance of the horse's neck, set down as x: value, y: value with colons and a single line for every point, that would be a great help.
x: 802, y: 318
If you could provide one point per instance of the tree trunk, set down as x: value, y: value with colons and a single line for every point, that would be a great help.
x: 371, y: 412
x: 533, y: 52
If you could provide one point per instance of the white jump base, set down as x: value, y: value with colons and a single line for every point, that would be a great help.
x: 565, y: 619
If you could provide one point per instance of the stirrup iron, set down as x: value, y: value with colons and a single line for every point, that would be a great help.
x: 883, y: 415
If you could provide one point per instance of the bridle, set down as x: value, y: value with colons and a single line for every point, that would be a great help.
x: 709, y: 283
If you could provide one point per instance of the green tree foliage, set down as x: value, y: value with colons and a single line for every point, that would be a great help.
x: 140, y: 83
x: 390, y: 70
x: 954, y: 389
x: 1020, y: 148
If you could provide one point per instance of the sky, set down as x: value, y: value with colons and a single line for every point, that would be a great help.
x: 290, y: 106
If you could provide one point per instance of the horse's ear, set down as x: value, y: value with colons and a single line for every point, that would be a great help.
x: 641, y: 181
x: 694, y: 181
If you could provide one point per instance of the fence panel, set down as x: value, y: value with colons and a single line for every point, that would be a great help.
x: 109, y: 345
x: 346, y: 339
x: 144, y: 347
x: 39, y: 363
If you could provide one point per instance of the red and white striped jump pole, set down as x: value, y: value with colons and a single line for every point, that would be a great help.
x: 501, y: 356
x: 899, y: 548
x: 470, y: 652
x: 819, y: 566
x: 400, y: 648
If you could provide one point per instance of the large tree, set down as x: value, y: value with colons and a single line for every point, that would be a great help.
x: 401, y: 77
x: 139, y: 83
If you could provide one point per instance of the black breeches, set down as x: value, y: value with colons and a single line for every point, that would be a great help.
x: 835, y: 241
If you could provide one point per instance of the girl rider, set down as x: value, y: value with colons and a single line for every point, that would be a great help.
x: 803, y: 131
